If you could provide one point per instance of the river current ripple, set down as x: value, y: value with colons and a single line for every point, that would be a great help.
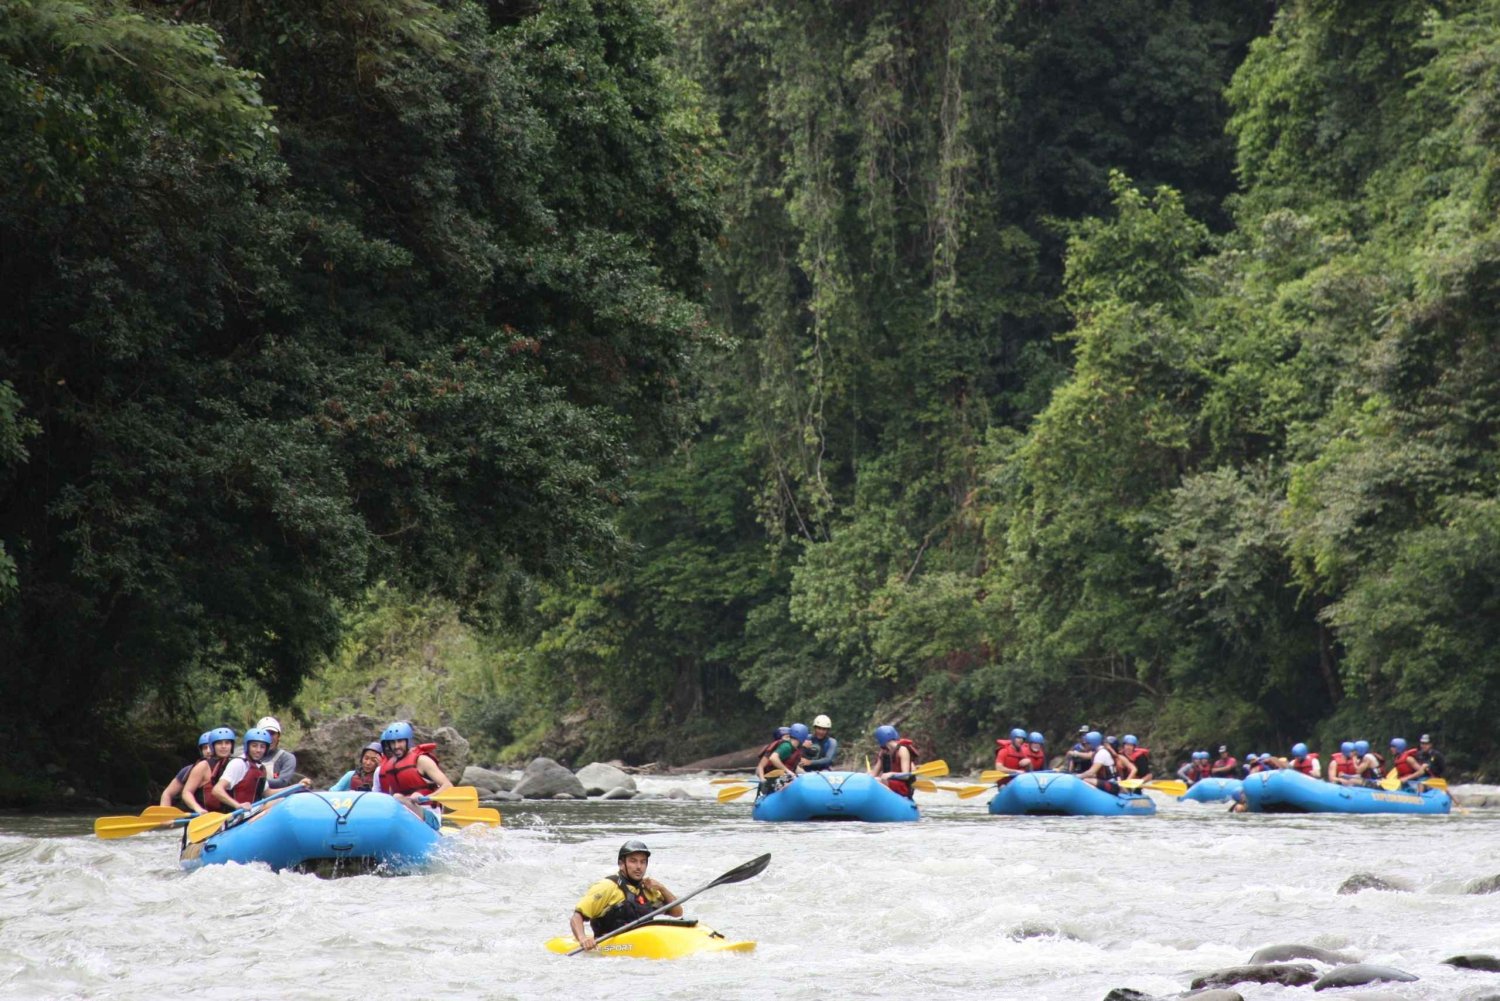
x: 960, y: 905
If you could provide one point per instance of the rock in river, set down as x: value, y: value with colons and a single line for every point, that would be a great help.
x: 1361, y: 973
x: 1289, y: 951
x: 1488, y: 884
x: 1286, y: 974
x: 545, y: 779
x: 1368, y: 881
x: 599, y: 778
x: 619, y: 792
x: 1475, y: 961
x: 487, y: 779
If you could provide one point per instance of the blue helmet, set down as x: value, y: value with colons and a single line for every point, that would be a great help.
x: 264, y: 736
x: 884, y: 734
x: 1398, y: 743
x: 206, y: 737
x: 1200, y: 755
x: 1016, y: 733
x: 1361, y: 747
x: 1093, y: 738
x: 783, y: 731
x: 1299, y: 750
x: 1036, y: 738
x: 221, y: 733
x: 1129, y: 739
x: 1346, y: 748
x: 399, y: 730
x: 798, y: 732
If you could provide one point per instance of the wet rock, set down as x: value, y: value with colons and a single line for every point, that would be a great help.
x: 566, y: 795
x: 1489, y: 884
x: 1368, y: 881
x: 487, y: 780
x: 329, y: 750
x: 676, y: 793
x: 1126, y: 994
x: 1289, y: 951
x: 1474, y: 961
x: 1361, y: 973
x: 545, y: 778
x: 599, y: 778
x: 1215, y: 994
x: 1286, y: 974
x: 619, y: 792
x: 649, y: 795
x: 497, y: 798
x: 1025, y: 931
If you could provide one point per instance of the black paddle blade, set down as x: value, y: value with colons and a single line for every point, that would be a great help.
x: 741, y: 873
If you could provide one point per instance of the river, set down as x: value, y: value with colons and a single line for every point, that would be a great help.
x: 960, y: 905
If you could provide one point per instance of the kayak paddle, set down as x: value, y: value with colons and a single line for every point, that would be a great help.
x: 113, y: 828
x: 205, y: 826
x: 738, y: 874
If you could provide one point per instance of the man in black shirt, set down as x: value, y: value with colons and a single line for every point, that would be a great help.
x: 1430, y: 758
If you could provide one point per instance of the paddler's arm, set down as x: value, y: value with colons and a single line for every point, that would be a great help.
x: 667, y: 896
x: 172, y: 791
x: 221, y: 790
x: 194, y: 781
x: 581, y: 933
x: 428, y: 769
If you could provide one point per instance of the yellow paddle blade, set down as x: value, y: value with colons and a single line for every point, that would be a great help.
x: 111, y: 828
x: 932, y: 769
x: 1436, y: 784
x: 1172, y: 787
x: 969, y: 792
x: 164, y: 812
x: 726, y: 781
x: 458, y: 797
x: 733, y: 793
x: 996, y: 775
x: 478, y: 815
x: 1390, y: 781
x: 925, y: 785
x: 205, y: 826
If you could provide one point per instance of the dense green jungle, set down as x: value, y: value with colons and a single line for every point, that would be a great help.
x: 623, y: 378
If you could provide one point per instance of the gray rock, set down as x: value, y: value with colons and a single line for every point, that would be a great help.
x: 619, y: 792
x: 1286, y: 974
x: 676, y: 793
x: 1488, y: 884
x: 649, y: 795
x: 1361, y: 973
x: 1025, y: 931
x: 1126, y: 994
x: 329, y: 750
x: 487, y: 780
x: 1216, y: 994
x: 1475, y: 961
x: 568, y: 795
x: 545, y: 778
x: 497, y: 798
x: 1368, y: 881
x: 1282, y: 953
x: 599, y: 778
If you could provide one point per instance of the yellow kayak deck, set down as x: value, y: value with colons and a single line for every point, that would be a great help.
x: 671, y: 939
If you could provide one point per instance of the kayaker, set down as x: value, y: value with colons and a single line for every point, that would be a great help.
x: 1140, y: 757
x: 243, y: 781
x: 617, y: 900
x: 1011, y: 754
x: 779, y: 759
x: 1403, y: 759
x: 1302, y: 761
x: 1371, y: 765
x: 410, y: 769
x: 1101, y: 771
x: 361, y: 778
x: 281, y: 764
x: 1430, y: 759
x: 175, y: 787
x: 198, y: 787
x: 1195, y: 770
x: 819, y: 750
x: 898, y: 756
x: 1080, y: 755
x: 1225, y: 766
x: 1036, y: 750
x: 1343, y: 765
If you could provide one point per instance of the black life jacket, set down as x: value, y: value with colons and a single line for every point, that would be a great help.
x: 633, y: 907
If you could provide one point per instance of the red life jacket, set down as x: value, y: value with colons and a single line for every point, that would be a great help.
x: 247, y: 789
x: 360, y: 782
x: 206, y: 797
x: 1196, y: 773
x: 1038, y: 759
x: 1345, y: 764
x: 789, y: 763
x: 1308, y: 765
x: 1230, y: 762
x: 888, y: 765
x: 400, y: 775
x: 1407, y: 764
x: 1010, y: 756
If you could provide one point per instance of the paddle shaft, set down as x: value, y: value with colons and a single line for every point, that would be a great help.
x: 735, y: 875
x: 198, y: 830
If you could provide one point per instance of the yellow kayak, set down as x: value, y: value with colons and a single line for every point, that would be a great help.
x: 670, y: 939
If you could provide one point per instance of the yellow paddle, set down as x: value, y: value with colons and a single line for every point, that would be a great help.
x: 930, y: 769
x: 1436, y: 783
x: 727, y: 780
x: 113, y: 828
x: 1391, y: 781
x: 733, y: 793
x: 206, y: 825
x: 995, y: 775
x: 963, y: 792
x: 478, y: 815
x: 164, y: 812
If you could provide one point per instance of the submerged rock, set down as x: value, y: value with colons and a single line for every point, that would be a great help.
x: 1368, y: 881
x: 1361, y: 973
x: 619, y: 792
x: 599, y: 778
x: 1214, y: 994
x: 1025, y: 931
x: 1286, y: 974
x: 1488, y: 884
x: 498, y: 797
x: 1475, y: 961
x: 1289, y: 951
x: 1127, y: 994
x: 546, y: 779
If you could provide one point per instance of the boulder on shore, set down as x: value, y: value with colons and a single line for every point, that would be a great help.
x: 598, y: 778
x: 1283, y: 953
x: 329, y: 750
x: 546, y: 779
x: 486, y: 779
x: 1361, y: 973
x: 1286, y: 974
x: 732, y: 762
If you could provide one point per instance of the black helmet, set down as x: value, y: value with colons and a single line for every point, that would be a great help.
x: 631, y: 847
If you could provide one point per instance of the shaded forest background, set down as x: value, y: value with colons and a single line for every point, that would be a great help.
x: 622, y: 379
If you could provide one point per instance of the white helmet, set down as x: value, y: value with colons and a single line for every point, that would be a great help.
x: 268, y: 723
x: 823, y: 721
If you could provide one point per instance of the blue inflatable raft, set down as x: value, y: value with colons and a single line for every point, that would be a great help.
x: 1212, y: 790
x: 1058, y: 794
x: 1286, y: 791
x: 353, y: 831
x: 835, y: 796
